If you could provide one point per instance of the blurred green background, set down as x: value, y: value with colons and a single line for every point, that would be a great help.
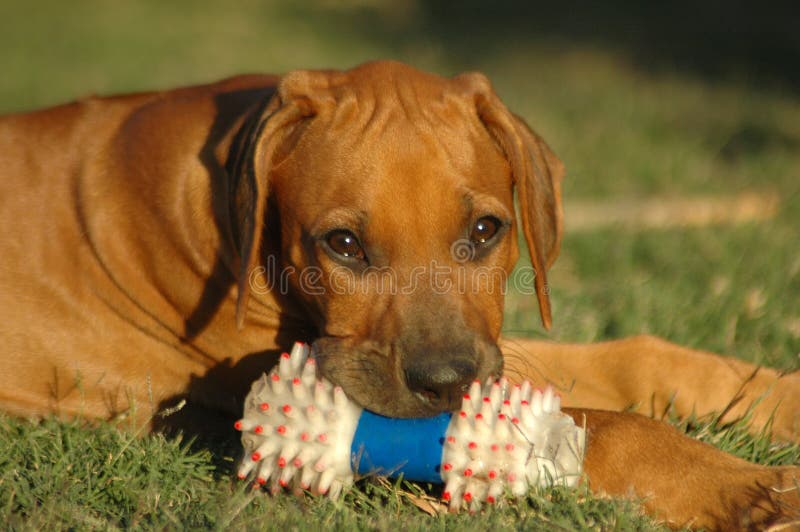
x: 663, y: 102
x: 641, y: 100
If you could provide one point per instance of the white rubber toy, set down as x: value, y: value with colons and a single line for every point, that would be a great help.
x: 298, y: 433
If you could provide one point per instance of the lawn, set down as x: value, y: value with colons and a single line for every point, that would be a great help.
x: 628, y: 127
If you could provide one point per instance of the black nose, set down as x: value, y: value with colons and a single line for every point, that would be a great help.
x: 441, y: 383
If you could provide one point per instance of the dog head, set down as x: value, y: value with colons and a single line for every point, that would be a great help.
x: 387, y: 197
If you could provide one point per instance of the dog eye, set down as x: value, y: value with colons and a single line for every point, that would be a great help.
x: 345, y: 243
x: 484, y: 229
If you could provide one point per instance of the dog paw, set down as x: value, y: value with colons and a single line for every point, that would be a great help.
x: 786, y: 423
x: 772, y: 502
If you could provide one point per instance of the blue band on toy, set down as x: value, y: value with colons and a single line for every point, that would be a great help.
x: 392, y: 446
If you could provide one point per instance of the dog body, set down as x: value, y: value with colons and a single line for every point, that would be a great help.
x: 167, y: 246
x: 90, y: 322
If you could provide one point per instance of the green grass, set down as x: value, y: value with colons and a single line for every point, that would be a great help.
x: 69, y: 475
x: 725, y: 289
x: 623, y: 130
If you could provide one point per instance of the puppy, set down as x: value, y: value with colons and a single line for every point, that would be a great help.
x: 164, y: 247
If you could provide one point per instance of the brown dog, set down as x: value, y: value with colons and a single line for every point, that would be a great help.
x: 166, y: 246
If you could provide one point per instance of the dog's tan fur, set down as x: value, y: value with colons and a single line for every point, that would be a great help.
x: 147, y: 238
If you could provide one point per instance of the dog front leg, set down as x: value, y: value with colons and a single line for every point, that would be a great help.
x: 651, y: 375
x: 680, y: 480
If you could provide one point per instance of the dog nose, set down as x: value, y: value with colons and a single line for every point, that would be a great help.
x: 441, y: 383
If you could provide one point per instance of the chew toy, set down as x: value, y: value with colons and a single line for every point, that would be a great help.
x: 303, y: 433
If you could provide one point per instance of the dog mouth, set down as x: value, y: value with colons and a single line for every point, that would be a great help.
x: 376, y: 378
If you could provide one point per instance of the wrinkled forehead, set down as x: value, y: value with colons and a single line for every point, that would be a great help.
x: 372, y: 146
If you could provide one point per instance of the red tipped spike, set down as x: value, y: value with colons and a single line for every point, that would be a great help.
x: 478, y: 416
x: 241, y: 476
x: 446, y: 496
x: 276, y: 377
x: 524, y: 403
x: 492, y: 474
x: 238, y: 425
x: 468, y: 496
x: 451, y: 439
x: 285, y: 355
x: 256, y: 457
x: 283, y: 483
x: 468, y: 472
x: 258, y: 429
x: 490, y: 499
x: 264, y: 407
x: 281, y: 429
x: 305, y: 437
x: 261, y: 480
x: 323, y: 437
x: 515, y: 420
x: 495, y: 447
x: 296, y: 381
x: 486, y: 400
x: 472, y: 445
x: 448, y: 466
x: 281, y: 462
x: 509, y: 447
x: 286, y: 408
x: 462, y: 414
x: 297, y: 462
x: 466, y: 396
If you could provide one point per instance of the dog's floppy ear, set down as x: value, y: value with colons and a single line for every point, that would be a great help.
x: 253, y: 155
x: 537, y: 175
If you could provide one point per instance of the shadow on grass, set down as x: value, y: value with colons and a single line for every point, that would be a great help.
x: 709, y: 39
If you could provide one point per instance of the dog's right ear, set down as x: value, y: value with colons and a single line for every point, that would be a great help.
x: 263, y: 135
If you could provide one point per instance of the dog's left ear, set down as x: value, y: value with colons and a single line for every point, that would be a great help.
x: 263, y: 137
x: 537, y: 175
